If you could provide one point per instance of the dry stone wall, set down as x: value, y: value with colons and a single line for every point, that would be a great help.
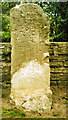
x: 5, y: 64
x: 58, y: 62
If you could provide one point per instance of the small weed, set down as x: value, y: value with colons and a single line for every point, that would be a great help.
x: 10, y: 109
x: 12, y: 113
x: 62, y: 97
x: 56, y: 114
x: 66, y: 102
x: 16, y: 111
x: 23, y: 114
x: 3, y: 95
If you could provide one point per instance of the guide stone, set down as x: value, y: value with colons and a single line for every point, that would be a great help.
x: 30, y: 71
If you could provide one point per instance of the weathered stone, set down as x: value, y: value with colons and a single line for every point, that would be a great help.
x: 30, y: 58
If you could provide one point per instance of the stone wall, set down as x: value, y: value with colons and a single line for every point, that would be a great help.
x: 5, y: 65
x: 58, y: 62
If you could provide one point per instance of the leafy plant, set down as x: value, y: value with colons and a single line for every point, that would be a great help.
x: 12, y: 113
x: 57, y: 12
x: 3, y: 95
x: 22, y: 114
x: 56, y: 114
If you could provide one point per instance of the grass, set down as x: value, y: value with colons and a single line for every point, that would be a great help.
x: 13, y: 113
x: 56, y: 114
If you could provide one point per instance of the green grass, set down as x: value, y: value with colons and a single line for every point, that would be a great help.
x: 56, y: 114
x: 13, y: 113
x: 17, y: 113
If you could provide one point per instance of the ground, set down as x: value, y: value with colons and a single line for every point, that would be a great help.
x: 58, y: 109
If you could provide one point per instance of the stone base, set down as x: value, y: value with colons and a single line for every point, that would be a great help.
x: 36, y: 100
x: 31, y: 87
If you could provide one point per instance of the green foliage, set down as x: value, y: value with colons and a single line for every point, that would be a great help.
x: 5, y: 28
x: 6, y: 32
x: 6, y: 7
x: 57, y: 12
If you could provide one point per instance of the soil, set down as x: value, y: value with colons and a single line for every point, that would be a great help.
x: 58, y: 109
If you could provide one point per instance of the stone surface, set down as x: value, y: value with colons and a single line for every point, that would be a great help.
x: 29, y: 33
x: 30, y: 58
